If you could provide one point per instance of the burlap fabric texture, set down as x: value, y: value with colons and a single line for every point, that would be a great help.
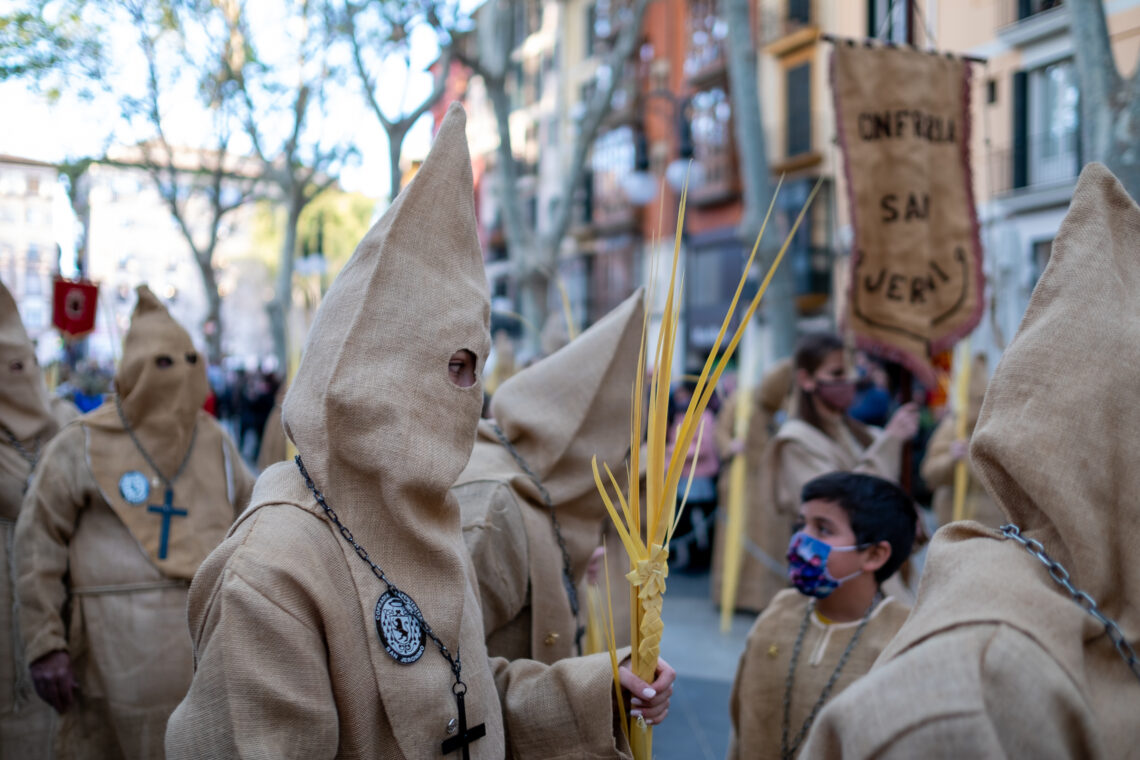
x: 27, y: 724
x: 89, y: 581
x: 557, y: 414
x: 768, y: 399
x: 996, y: 659
x: 289, y: 663
x: 757, y: 703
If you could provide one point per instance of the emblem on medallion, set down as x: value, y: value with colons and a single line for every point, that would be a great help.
x: 398, y: 623
x: 134, y: 487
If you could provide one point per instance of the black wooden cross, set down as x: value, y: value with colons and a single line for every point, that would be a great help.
x: 463, y: 739
x: 167, y: 511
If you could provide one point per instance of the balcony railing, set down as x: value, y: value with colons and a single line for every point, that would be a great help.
x: 1043, y: 159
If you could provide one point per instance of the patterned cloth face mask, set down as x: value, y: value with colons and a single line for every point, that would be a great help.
x: 807, y: 565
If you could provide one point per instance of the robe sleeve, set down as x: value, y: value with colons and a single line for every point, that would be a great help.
x: 261, y: 686
x: 938, y: 465
x: 565, y: 705
x: 50, y: 511
x: 734, y: 711
x: 495, y: 534
x: 883, y: 457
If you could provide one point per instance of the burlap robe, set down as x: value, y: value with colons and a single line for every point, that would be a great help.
x: 798, y: 453
x: 769, y: 397
x: 938, y: 468
x: 757, y: 703
x: 558, y: 414
x: 288, y: 659
x: 318, y: 684
x: 124, y: 616
x: 27, y: 724
x: 996, y: 660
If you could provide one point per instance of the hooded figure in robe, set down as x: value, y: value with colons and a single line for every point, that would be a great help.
x: 997, y: 659
x: 769, y: 398
x: 115, y: 523
x: 555, y: 416
x: 940, y: 463
x: 290, y: 659
x: 274, y: 447
x: 28, y: 420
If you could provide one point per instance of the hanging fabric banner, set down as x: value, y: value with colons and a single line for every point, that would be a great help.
x: 903, y: 119
x: 73, y: 306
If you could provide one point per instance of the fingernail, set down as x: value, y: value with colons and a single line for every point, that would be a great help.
x: 648, y: 722
x: 649, y: 693
x: 635, y: 702
x: 635, y: 713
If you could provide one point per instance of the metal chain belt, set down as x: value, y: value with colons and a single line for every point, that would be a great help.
x: 454, y: 662
x: 789, y: 752
x: 567, y: 574
x: 168, y: 482
x: 1059, y: 574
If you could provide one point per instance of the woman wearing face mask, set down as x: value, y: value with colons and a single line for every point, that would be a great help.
x: 818, y: 437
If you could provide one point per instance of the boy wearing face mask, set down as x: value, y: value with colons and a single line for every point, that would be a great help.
x: 818, y: 437
x: 814, y: 640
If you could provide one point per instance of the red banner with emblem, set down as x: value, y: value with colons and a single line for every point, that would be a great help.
x: 74, y: 304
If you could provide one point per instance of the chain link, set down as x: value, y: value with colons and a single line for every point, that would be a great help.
x: 1083, y: 600
x: 168, y: 482
x: 567, y: 573
x: 31, y: 457
x: 459, y: 688
x: 789, y: 752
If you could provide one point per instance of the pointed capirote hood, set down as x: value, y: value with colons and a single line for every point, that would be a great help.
x: 574, y: 404
x: 380, y: 427
x: 1056, y: 440
x: 25, y: 407
x: 161, y: 385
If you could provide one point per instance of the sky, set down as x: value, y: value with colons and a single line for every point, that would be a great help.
x: 72, y: 128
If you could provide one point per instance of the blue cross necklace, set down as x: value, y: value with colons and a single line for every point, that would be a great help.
x: 167, y: 508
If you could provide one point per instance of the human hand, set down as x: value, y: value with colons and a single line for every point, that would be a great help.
x: 735, y: 447
x: 650, y: 701
x: 904, y: 422
x: 959, y: 449
x: 54, y: 680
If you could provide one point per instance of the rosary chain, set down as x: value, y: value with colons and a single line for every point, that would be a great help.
x: 1061, y: 576
x: 454, y: 662
x: 168, y: 482
x: 567, y: 574
x: 789, y: 752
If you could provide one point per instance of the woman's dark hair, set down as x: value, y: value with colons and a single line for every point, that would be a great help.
x: 878, y: 510
x: 811, y: 350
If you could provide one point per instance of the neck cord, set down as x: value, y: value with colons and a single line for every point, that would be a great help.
x: 168, y: 482
x: 787, y: 752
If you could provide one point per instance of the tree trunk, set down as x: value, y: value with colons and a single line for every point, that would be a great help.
x: 282, y: 303
x: 395, y: 145
x: 213, y: 310
x: 779, y: 306
x: 1110, y: 104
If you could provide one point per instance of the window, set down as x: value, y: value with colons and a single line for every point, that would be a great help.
x: 1027, y: 8
x: 33, y: 185
x: 612, y: 274
x: 707, y: 33
x: 33, y: 284
x: 33, y: 314
x: 799, y: 12
x: 591, y: 24
x: 1039, y: 254
x: 1046, y: 125
x: 798, y: 96
x: 887, y: 20
x: 613, y: 158
x: 713, y: 145
x: 33, y: 257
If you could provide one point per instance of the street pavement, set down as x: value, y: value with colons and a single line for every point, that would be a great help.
x: 705, y: 660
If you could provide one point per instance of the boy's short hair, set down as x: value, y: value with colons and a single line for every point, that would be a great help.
x: 878, y: 510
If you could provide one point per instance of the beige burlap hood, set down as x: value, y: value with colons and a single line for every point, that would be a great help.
x: 1055, y: 442
x: 25, y: 407
x: 380, y: 427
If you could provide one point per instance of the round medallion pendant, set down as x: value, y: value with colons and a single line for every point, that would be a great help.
x: 397, y: 622
x: 134, y: 487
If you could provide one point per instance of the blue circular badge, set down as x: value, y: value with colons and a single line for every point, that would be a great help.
x: 134, y: 487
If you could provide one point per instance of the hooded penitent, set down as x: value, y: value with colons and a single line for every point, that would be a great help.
x: 556, y: 415
x: 757, y: 582
x: 289, y: 660
x: 997, y: 659
x: 105, y: 556
x: 27, y: 422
